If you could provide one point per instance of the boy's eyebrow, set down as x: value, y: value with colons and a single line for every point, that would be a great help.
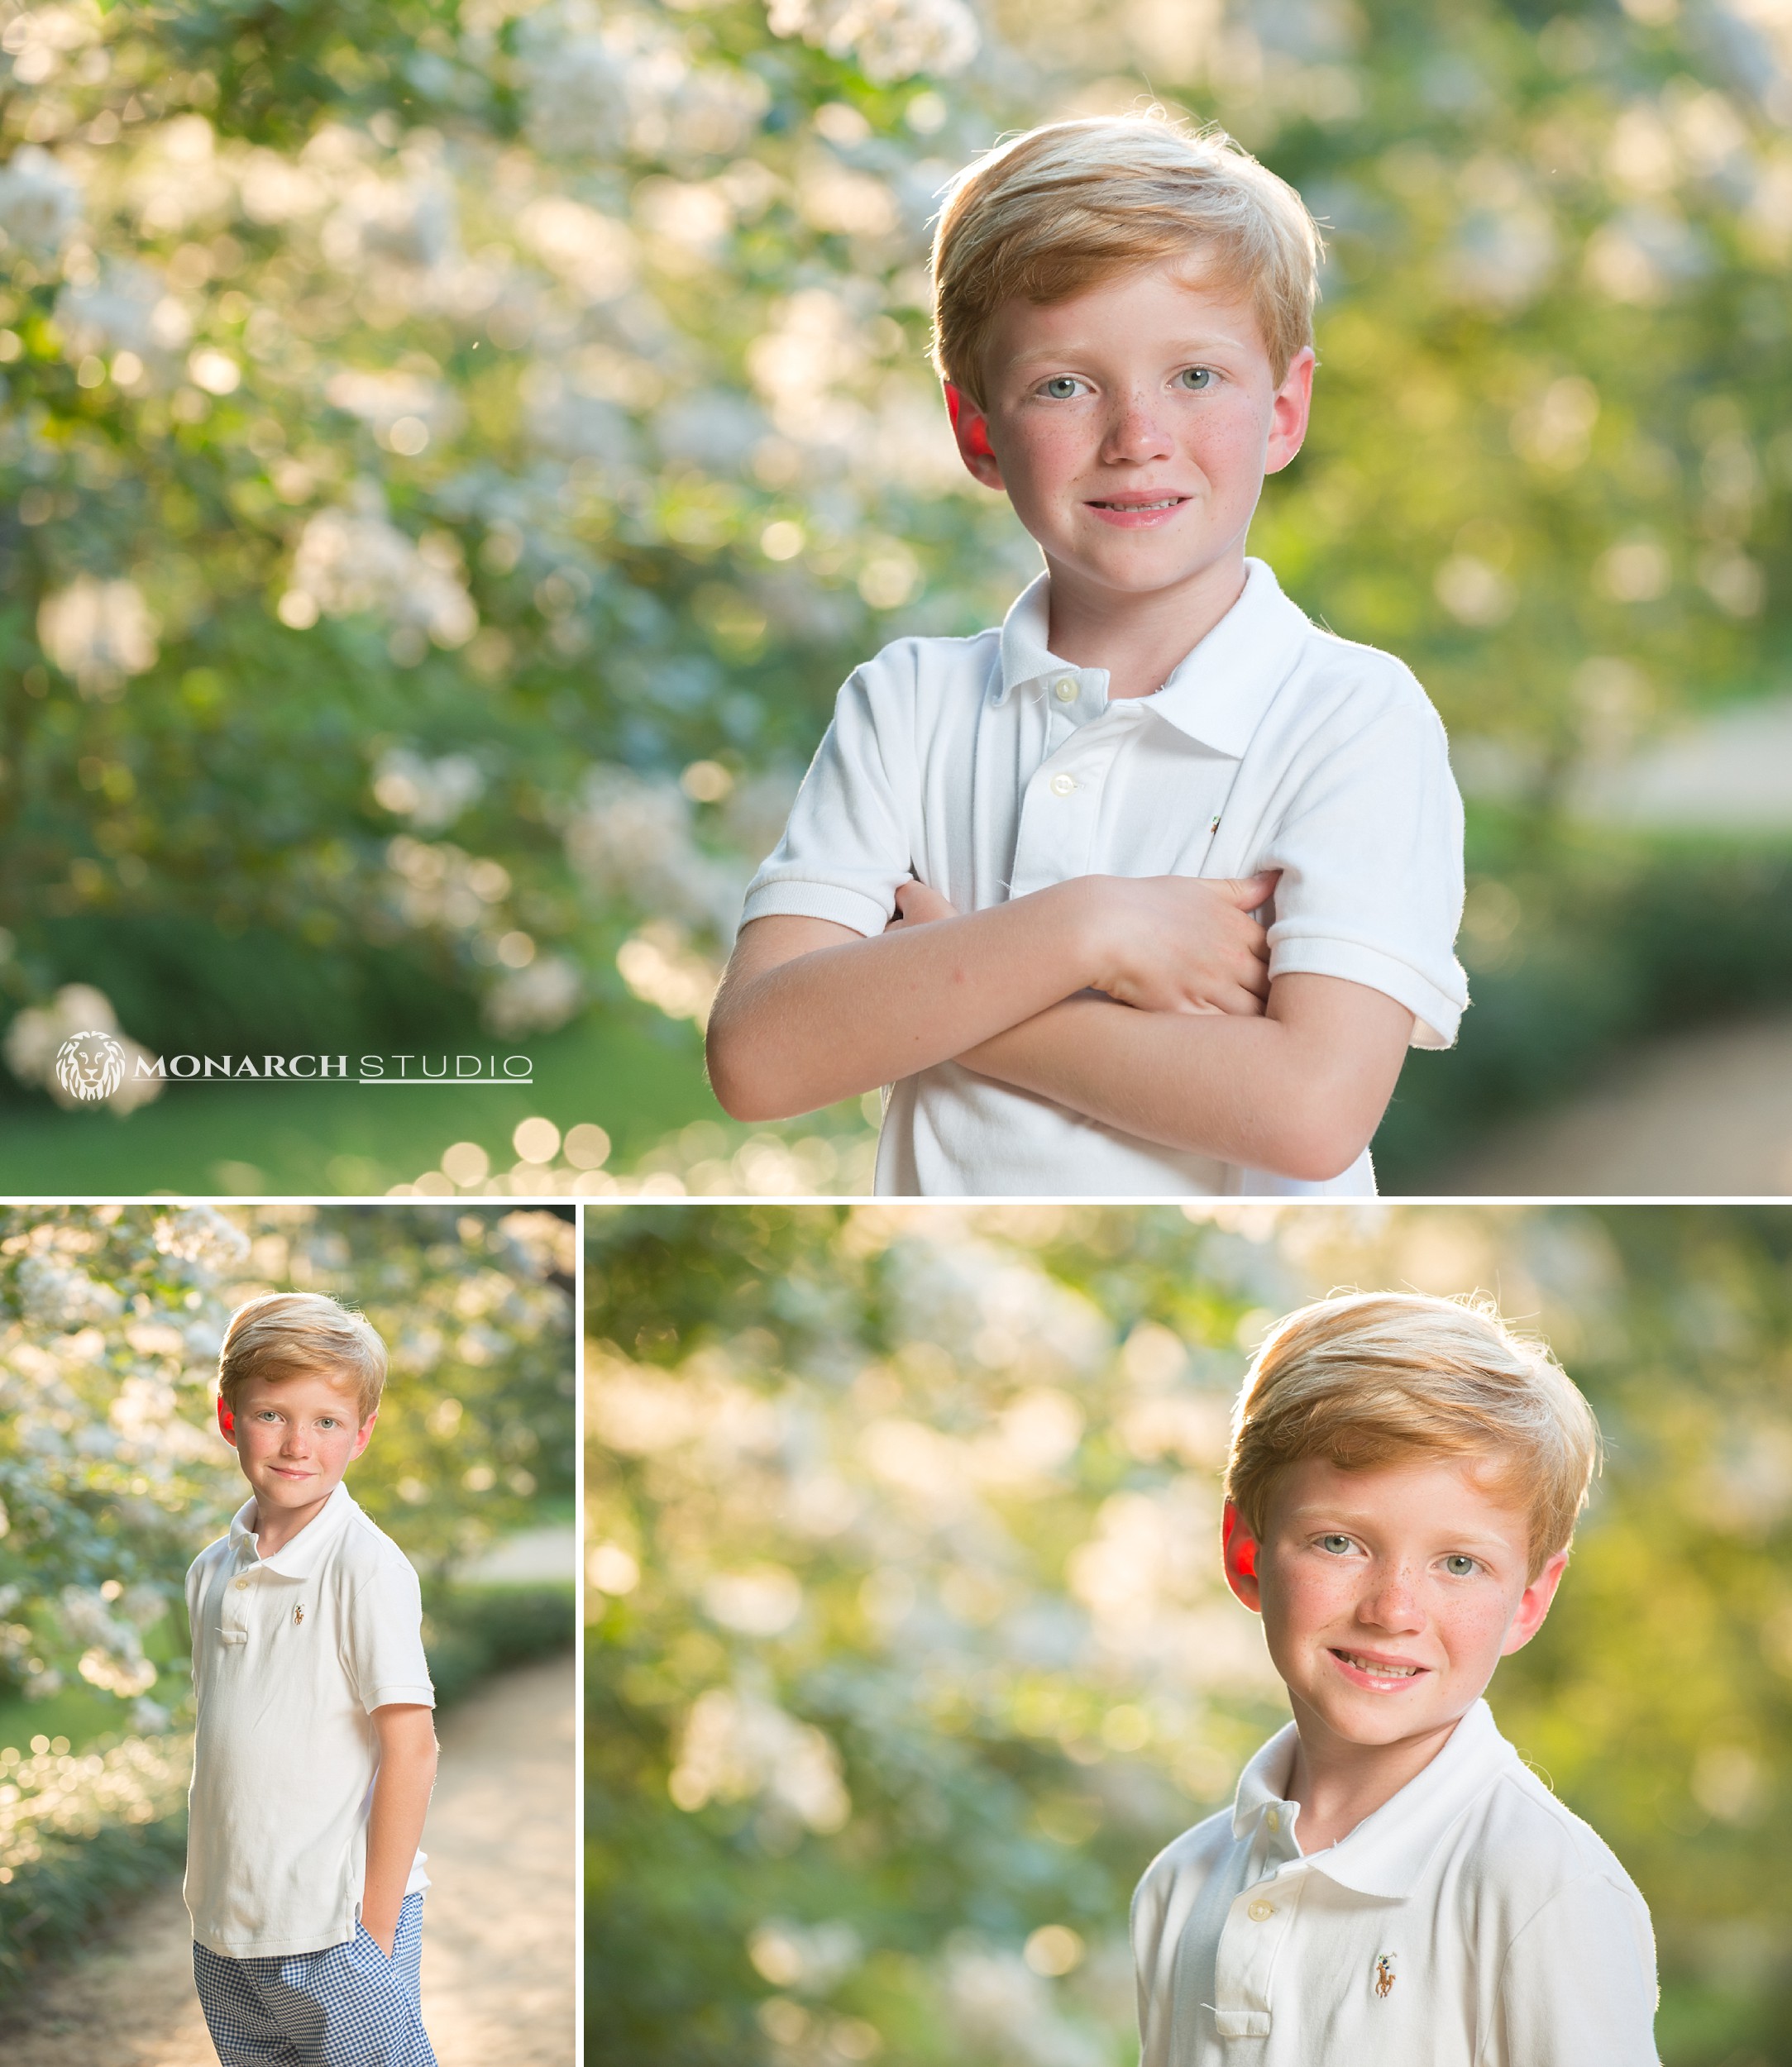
x: 1305, y: 1517
x: 1182, y: 348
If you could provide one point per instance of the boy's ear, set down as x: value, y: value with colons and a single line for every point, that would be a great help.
x: 1289, y: 412
x: 364, y: 1435
x: 1534, y: 1604
x: 970, y: 427
x: 1240, y: 1554
x: 226, y: 1422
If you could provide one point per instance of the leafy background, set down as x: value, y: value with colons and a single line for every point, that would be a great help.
x: 908, y: 1646
x: 453, y: 450
x: 112, y: 1478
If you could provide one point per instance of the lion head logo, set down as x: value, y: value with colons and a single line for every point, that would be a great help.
x: 90, y: 1064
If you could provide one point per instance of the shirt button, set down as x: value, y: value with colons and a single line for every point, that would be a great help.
x: 1065, y: 691
x: 1063, y: 785
x: 1261, y: 1912
x: 1273, y: 1819
x: 240, y: 1584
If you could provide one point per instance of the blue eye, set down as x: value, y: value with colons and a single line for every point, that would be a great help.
x: 1062, y: 387
x: 1339, y: 1546
x: 1459, y: 1567
x: 1197, y: 378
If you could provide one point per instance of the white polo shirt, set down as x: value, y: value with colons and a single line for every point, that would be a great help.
x: 291, y: 1655
x: 1470, y: 1921
x: 987, y: 768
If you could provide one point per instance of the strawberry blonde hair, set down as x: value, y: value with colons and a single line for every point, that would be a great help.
x: 1369, y: 1379
x: 1070, y: 204
x: 302, y: 1334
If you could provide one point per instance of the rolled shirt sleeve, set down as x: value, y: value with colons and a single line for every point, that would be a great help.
x: 846, y: 849
x: 1578, y: 1985
x: 1370, y: 852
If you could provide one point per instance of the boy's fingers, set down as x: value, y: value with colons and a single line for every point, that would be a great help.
x: 1248, y: 892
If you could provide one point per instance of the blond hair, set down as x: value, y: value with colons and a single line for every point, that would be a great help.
x: 1368, y: 1378
x: 300, y: 1334
x: 1069, y: 204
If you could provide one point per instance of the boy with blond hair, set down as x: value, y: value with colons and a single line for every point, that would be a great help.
x: 1174, y: 875
x: 315, y: 1751
x: 1392, y: 1882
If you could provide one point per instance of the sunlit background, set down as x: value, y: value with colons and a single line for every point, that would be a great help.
x: 453, y: 450
x: 908, y: 1645
x: 113, y: 1478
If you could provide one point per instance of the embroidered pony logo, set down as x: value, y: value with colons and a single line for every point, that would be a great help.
x: 1384, y: 1974
x: 298, y: 1612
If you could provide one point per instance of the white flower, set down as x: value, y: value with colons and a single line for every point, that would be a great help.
x: 62, y: 1294
x: 39, y: 202
x: 127, y: 308
x: 99, y: 632
x: 431, y: 793
x: 534, y: 999
x: 349, y: 561
x: 887, y: 39
x: 35, y: 1040
x: 201, y: 1234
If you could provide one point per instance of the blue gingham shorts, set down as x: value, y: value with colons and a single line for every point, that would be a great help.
x: 348, y: 2006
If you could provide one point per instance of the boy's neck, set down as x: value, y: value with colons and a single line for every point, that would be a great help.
x: 274, y: 1531
x: 1338, y: 1784
x: 1141, y: 640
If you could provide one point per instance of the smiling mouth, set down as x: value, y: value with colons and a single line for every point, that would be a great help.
x: 1131, y: 509
x: 1376, y: 1670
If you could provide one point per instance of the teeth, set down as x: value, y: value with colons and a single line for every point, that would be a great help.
x: 1379, y: 1672
x: 1169, y: 502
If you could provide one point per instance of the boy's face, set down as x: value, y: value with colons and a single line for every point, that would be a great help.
x: 1132, y: 426
x: 1389, y: 1595
x: 295, y: 1439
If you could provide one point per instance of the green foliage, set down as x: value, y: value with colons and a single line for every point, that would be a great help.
x: 436, y: 431
x: 909, y: 1642
x: 1578, y: 950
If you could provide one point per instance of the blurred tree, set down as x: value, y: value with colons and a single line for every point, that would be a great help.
x: 909, y: 1646
x: 454, y: 449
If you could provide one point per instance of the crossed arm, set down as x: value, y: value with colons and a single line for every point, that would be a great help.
x: 401, y: 1791
x: 1144, y: 1003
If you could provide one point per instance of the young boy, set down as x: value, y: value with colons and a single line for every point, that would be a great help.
x: 1392, y: 1884
x: 1074, y: 819
x: 316, y: 1751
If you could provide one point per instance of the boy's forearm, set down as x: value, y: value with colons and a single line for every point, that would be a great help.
x: 401, y: 1791
x: 838, y: 1020
x: 1299, y: 1092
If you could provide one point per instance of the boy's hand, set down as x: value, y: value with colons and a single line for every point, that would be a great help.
x: 916, y: 903
x: 1180, y: 943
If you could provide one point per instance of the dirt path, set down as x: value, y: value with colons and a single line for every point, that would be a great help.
x: 497, y: 1936
x: 1707, y: 1116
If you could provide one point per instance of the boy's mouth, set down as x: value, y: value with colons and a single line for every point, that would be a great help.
x: 1131, y: 506
x: 1372, y: 1672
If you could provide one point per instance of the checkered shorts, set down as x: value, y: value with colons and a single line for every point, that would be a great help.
x: 348, y: 2006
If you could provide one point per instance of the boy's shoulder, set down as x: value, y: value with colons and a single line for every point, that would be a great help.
x: 1530, y: 1845
x: 1339, y: 670
x: 1197, y: 1850
x: 365, y: 1551
x: 931, y: 661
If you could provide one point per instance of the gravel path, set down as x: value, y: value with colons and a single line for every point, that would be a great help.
x: 498, y: 1932
x: 1707, y: 1116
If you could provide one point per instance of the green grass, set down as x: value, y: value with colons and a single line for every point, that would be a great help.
x: 635, y: 1074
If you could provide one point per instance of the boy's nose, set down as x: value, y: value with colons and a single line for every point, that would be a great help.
x: 1136, y: 432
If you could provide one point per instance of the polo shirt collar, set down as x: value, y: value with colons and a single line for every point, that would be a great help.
x: 1216, y: 694
x: 1387, y: 1851
x: 300, y: 1558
